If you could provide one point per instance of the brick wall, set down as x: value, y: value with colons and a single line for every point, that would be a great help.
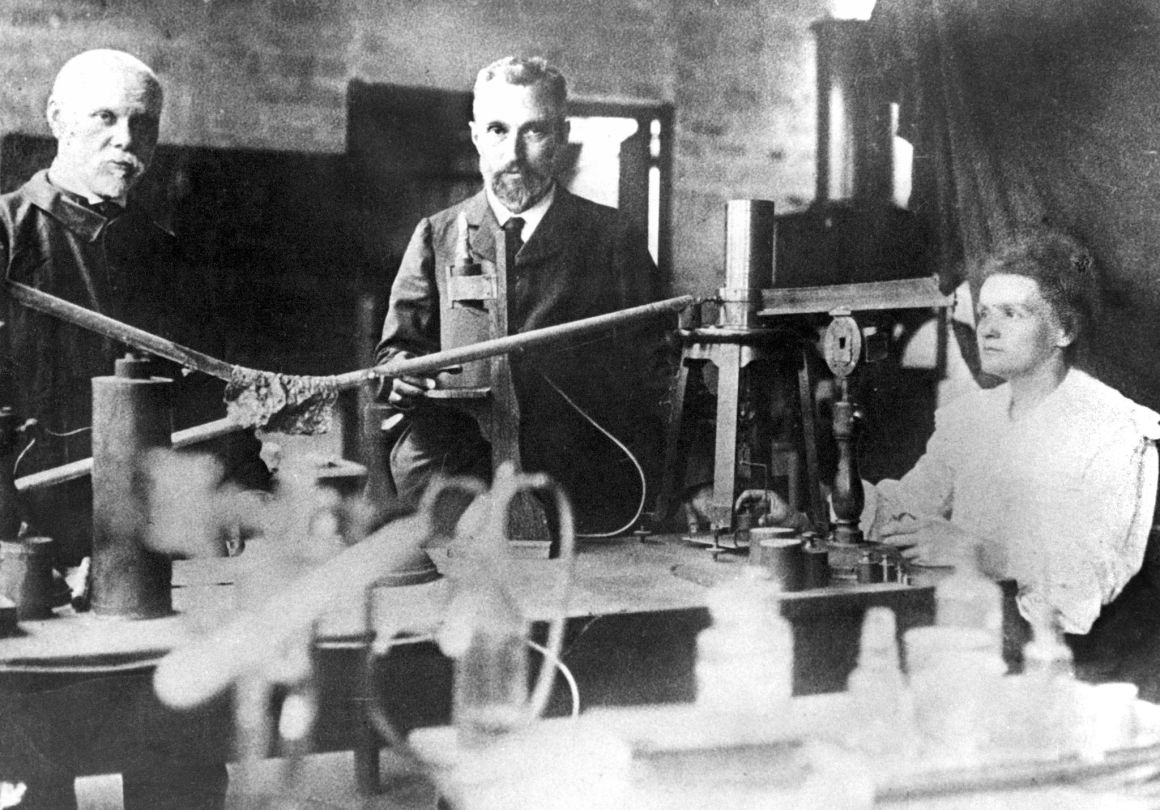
x: 271, y: 74
x: 743, y: 85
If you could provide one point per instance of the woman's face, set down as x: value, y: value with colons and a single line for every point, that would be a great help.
x: 1017, y: 330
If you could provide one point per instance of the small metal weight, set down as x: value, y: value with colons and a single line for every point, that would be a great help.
x: 817, y: 564
x: 26, y: 576
x: 780, y: 552
x: 869, y: 568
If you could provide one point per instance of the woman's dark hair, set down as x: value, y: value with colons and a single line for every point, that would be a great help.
x: 1064, y: 269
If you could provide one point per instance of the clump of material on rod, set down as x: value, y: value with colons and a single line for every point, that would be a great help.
x: 283, y: 403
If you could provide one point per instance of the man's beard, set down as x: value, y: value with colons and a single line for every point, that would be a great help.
x: 520, y: 192
x: 113, y: 177
x: 112, y: 187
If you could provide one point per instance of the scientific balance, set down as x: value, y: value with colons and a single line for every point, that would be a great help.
x: 763, y: 344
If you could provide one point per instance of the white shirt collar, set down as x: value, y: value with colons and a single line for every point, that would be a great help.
x: 531, y: 217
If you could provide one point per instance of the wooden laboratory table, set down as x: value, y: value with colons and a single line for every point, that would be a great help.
x: 616, y: 577
x: 635, y: 610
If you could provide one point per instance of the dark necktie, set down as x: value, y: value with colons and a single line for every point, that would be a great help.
x: 513, y: 240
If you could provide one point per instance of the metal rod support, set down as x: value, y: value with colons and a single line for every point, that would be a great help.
x: 82, y: 467
x: 524, y: 340
x: 190, y: 358
x: 123, y: 332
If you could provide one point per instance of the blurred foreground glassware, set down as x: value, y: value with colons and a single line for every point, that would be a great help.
x: 745, y: 658
x: 954, y: 674
x: 483, y: 629
x: 881, y: 703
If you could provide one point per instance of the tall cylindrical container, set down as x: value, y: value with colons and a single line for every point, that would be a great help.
x: 750, y: 227
x: 750, y: 240
x: 132, y: 414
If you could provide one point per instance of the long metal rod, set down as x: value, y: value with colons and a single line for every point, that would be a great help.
x: 123, y: 332
x: 503, y: 345
x: 82, y: 467
x: 162, y: 347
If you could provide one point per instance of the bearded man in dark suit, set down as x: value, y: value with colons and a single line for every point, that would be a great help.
x: 573, y: 259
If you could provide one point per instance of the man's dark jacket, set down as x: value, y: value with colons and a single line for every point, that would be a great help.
x: 128, y: 268
x: 125, y: 268
x: 583, y: 259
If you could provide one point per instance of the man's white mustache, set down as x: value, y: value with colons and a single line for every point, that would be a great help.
x: 131, y: 161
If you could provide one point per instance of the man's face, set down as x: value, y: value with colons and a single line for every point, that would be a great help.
x: 517, y: 133
x: 106, y: 128
x: 1018, y: 331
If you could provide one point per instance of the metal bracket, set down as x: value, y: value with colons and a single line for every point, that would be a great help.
x: 469, y: 290
x: 842, y: 345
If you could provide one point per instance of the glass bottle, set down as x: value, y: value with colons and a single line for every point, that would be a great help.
x: 883, y: 712
x: 968, y: 598
x: 1050, y: 687
x: 491, y: 673
x: 745, y: 658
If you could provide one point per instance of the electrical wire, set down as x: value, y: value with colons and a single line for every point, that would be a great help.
x: 378, y: 644
x: 20, y: 458
x: 32, y: 441
x: 384, y: 726
x: 628, y: 454
x: 376, y: 648
x: 67, y: 433
x: 578, y: 635
x: 566, y: 673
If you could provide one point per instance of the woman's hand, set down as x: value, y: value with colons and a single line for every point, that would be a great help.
x: 930, y: 541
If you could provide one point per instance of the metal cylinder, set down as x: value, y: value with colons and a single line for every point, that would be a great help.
x: 26, y: 576
x: 132, y: 414
x: 817, y: 566
x: 780, y: 551
x: 10, y: 435
x: 750, y: 227
x: 749, y: 258
x: 869, y: 569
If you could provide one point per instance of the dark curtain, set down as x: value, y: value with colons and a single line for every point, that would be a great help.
x: 1026, y: 112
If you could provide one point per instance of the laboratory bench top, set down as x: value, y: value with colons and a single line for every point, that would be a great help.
x: 611, y: 577
x: 635, y: 610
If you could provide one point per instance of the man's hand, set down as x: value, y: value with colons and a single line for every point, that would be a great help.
x: 930, y: 541
x: 769, y: 507
x: 406, y: 391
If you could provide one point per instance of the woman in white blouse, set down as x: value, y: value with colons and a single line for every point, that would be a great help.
x: 1052, y: 474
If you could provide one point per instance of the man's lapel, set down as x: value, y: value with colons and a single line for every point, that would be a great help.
x: 482, y: 226
x: 554, y: 231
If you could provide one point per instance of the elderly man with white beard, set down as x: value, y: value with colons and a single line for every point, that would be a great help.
x: 75, y: 232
